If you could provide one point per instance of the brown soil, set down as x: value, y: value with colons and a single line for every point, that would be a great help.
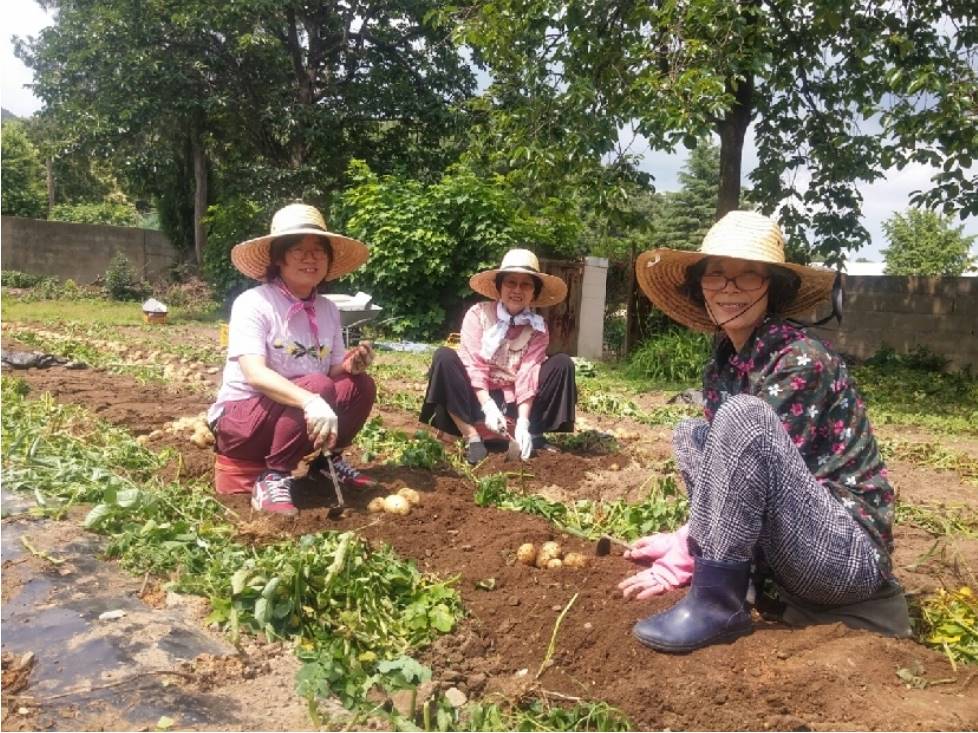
x: 827, y: 677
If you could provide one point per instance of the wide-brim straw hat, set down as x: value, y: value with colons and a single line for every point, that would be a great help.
x: 521, y: 260
x: 252, y: 256
x: 744, y: 235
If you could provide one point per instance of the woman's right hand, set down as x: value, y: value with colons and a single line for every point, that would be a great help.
x: 321, y: 421
x: 494, y: 418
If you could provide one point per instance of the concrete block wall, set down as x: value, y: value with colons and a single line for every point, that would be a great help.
x: 81, y: 252
x: 590, y: 335
x: 939, y: 313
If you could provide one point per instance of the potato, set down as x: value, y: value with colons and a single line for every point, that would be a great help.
x: 413, y: 497
x: 553, y: 548
x: 142, y: 439
x: 201, y: 440
x: 376, y: 505
x: 395, y: 504
x: 575, y: 560
x: 543, y: 558
x: 555, y: 563
x: 527, y: 553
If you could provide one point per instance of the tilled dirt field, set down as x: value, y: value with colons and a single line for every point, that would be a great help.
x: 827, y: 677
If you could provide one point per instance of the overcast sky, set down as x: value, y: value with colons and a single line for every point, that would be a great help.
x: 880, y: 199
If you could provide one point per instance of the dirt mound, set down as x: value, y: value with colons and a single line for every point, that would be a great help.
x: 826, y: 677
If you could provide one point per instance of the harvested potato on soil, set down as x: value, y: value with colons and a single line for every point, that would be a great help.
x: 553, y: 548
x: 555, y: 563
x: 413, y: 497
x: 544, y: 558
x: 376, y: 505
x: 395, y: 504
x: 575, y: 560
x: 527, y: 553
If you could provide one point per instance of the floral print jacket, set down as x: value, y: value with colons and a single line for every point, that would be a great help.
x: 810, y: 389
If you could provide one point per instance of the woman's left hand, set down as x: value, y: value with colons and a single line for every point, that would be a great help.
x: 358, y: 358
x: 523, y: 437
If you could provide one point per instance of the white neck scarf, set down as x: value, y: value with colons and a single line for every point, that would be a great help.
x: 492, y: 338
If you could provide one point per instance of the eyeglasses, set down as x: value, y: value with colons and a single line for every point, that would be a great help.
x: 745, y: 281
x: 298, y: 254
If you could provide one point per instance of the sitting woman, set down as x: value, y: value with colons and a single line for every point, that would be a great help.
x: 288, y: 389
x: 784, y: 472
x: 501, y: 367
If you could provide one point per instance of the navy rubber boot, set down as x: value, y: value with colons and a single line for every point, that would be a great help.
x: 713, y: 611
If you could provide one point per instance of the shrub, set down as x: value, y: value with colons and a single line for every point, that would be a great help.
x: 227, y: 224
x: 17, y: 279
x: 22, y: 174
x: 676, y: 355
x: 104, y: 212
x: 121, y: 281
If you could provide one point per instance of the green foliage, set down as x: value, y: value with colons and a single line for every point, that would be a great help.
x: 421, y: 451
x: 427, y: 240
x: 227, y: 224
x: 354, y: 613
x: 122, y: 282
x: 675, y: 356
x: 17, y: 279
x: 22, y: 174
x: 925, y: 243
x: 525, y: 715
x: 105, y: 212
x: 665, y: 508
x: 940, y: 520
x: 949, y: 622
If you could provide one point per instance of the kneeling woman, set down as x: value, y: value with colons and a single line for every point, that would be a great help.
x: 288, y: 388
x: 501, y: 368
x: 784, y: 471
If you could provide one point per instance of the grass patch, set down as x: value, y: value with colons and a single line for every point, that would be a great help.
x: 931, y: 455
x: 939, y: 519
x: 665, y: 508
x: 99, y: 310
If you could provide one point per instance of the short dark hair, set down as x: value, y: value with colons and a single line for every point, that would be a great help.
x: 537, y: 282
x: 782, y: 286
x: 281, y: 245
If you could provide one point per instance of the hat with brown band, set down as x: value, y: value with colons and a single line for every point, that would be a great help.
x: 554, y: 289
x: 253, y: 256
x: 744, y: 235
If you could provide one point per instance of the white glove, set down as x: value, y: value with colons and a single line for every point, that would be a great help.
x: 321, y: 421
x: 494, y: 418
x: 523, y: 437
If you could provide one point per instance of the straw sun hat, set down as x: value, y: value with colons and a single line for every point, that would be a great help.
x: 744, y: 235
x: 252, y: 257
x: 521, y: 260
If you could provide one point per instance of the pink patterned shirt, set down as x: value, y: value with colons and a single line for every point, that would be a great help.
x: 515, y: 367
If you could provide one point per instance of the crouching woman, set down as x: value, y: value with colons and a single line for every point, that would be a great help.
x: 288, y: 387
x: 783, y: 472
x: 501, y: 371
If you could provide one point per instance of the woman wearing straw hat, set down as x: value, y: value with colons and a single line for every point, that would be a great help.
x: 784, y: 472
x: 288, y: 387
x: 501, y: 367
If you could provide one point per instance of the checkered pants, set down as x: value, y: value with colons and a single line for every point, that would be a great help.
x: 750, y: 489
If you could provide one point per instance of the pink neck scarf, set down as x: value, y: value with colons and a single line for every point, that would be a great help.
x: 296, y: 305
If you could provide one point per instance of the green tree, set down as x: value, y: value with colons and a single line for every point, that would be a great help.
x: 838, y: 91
x: 926, y: 243
x: 22, y: 174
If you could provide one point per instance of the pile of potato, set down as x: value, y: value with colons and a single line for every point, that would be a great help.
x: 193, y: 428
x: 549, y: 556
x: 399, y: 503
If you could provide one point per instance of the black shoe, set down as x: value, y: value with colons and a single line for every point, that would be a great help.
x: 475, y: 452
x: 542, y: 445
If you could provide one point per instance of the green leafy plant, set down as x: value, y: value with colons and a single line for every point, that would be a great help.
x: 102, y: 212
x: 122, y: 282
x: 948, y: 621
x: 676, y: 356
x: 421, y: 451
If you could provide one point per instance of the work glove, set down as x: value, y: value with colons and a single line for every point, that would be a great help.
x: 523, y: 438
x: 646, y: 550
x: 494, y: 418
x: 321, y: 421
x: 359, y: 358
x: 670, y: 570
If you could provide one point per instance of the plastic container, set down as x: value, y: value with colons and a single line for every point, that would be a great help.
x: 157, y: 318
x: 232, y: 476
x: 222, y: 336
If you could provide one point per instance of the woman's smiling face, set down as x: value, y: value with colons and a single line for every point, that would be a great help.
x: 516, y: 291
x: 736, y: 295
x: 305, y: 265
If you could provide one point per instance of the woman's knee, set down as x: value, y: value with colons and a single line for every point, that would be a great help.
x: 445, y: 356
x: 743, y: 412
x: 365, y: 386
x: 560, y: 362
x: 317, y: 382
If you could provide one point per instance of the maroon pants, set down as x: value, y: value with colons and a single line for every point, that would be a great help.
x: 261, y: 430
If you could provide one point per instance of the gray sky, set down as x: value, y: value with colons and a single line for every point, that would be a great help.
x: 880, y: 199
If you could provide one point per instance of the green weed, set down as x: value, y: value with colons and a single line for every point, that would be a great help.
x: 948, y: 621
x: 938, y: 519
x: 675, y: 356
x: 396, y: 448
x: 931, y: 455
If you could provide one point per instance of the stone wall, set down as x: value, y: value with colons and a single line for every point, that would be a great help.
x: 81, y: 251
x: 940, y: 314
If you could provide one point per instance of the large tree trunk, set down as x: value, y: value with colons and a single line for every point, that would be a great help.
x: 732, y: 130
x: 200, y: 195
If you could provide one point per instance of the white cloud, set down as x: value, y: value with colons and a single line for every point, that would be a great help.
x: 20, y: 18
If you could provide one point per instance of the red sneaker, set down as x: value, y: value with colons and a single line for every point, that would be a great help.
x: 273, y: 493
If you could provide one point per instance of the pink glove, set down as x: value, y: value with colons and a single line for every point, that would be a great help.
x: 672, y: 569
x: 646, y: 550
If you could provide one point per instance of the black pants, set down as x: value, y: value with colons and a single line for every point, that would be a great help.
x: 449, y: 390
